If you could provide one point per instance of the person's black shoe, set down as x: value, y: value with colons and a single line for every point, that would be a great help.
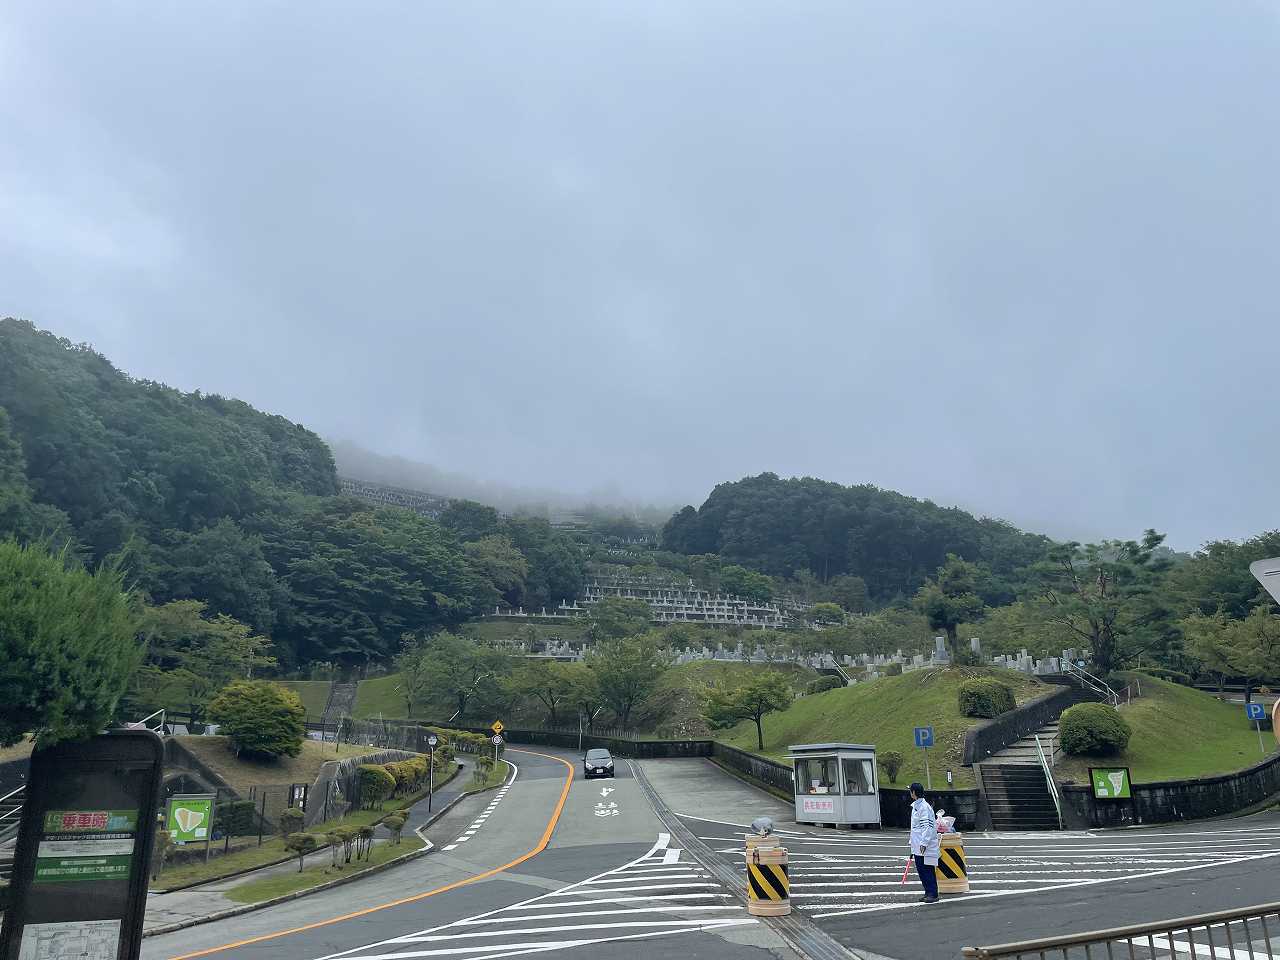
x: 929, y: 899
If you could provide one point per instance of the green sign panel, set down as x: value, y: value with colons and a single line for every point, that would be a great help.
x: 90, y: 821
x: 79, y: 869
x: 1110, y: 783
x: 190, y: 818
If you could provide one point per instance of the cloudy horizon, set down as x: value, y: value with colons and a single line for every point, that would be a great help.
x: 1017, y: 258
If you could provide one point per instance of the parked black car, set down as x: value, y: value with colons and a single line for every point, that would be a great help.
x: 597, y: 763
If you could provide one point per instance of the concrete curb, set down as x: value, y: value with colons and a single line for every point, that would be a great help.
x: 284, y: 898
x: 275, y: 863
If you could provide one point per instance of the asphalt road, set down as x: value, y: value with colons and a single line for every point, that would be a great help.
x: 547, y: 864
x: 1023, y: 885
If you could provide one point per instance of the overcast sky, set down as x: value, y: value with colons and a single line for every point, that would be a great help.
x: 1022, y: 257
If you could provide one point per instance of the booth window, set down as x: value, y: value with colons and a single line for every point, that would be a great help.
x: 859, y: 777
x: 817, y: 775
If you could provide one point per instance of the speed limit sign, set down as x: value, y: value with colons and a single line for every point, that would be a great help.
x: 496, y: 739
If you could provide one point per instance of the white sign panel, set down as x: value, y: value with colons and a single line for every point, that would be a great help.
x: 812, y: 805
x: 82, y: 939
x: 1267, y: 573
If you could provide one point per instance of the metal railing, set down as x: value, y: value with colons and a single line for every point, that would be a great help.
x: 1048, y: 776
x: 1096, y: 684
x: 11, y: 818
x: 1249, y: 932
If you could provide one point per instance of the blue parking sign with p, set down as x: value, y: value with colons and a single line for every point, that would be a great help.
x: 1255, y: 711
x: 924, y: 736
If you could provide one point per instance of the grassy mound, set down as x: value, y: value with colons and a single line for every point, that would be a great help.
x: 215, y: 753
x: 314, y: 694
x: 1178, y: 733
x: 884, y: 712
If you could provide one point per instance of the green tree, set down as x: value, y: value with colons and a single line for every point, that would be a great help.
x: 891, y: 762
x: 741, y: 582
x: 1208, y: 642
x: 627, y: 670
x: 68, y: 645
x: 262, y: 719
x: 1106, y: 595
x: 301, y: 844
x: 20, y: 516
x: 849, y: 592
x: 584, y: 692
x: 828, y: 613
x: 501, y: 564
x: 1254, y: 646
x: 550, y: 682
x: 459, y: 668
x: 951, y: 598
x: 194, y: 657
x: 415, y: 668
x: 616, y: 617
x: 762, y: 693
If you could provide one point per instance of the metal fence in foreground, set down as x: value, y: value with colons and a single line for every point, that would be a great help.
x: 1250, y: 933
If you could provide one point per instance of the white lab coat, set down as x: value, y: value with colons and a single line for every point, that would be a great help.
x: 924, y: 831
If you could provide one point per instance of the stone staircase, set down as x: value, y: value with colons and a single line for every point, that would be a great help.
x: 1024, y: 750
x: 341, y: 702
x: 1017, y: 796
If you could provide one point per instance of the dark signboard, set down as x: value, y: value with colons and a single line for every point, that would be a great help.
x: 80, y: 871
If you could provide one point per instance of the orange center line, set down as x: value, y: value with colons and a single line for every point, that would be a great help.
x: 542, y: 845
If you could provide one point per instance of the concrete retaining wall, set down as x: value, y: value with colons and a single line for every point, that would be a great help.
x: 1175, y: 799
x: 345, y: 773
x: 992, y: 736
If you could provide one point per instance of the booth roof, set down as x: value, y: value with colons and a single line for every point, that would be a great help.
x: 804, y: 748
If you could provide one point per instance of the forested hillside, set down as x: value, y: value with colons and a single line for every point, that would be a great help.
x: 206, y: 498
x: 893, y: 542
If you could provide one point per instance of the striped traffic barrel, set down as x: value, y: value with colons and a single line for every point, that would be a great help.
x: 953, y: 872
x: 768, y: 886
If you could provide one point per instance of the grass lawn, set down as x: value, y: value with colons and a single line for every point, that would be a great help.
x: 381, y: 696
x: 1178, y: 733
x: 242, y: 774
x: 320, y: 870
x: 314, y: 694
x: 884, y: 712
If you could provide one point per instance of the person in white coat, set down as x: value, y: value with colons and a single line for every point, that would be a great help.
x: 925, y: 845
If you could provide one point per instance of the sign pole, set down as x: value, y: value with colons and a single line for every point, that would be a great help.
x: 928, y: 780
x: 1258, y: 725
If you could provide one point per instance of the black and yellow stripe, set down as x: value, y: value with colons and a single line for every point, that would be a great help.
x: 951, y: 863
x: 768, y: 881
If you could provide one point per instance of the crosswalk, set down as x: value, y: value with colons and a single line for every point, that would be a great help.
x: 661, y: 894
x: 834, y: 874
x: 487, y: 812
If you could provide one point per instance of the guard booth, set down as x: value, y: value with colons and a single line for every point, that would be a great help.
x: 836, y: 783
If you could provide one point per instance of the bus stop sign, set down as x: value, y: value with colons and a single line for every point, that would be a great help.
x: 79, y: 884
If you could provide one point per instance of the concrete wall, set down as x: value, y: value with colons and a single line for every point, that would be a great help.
x: 991, y: 736
x: 1175, y: 799
x: 345, y: 773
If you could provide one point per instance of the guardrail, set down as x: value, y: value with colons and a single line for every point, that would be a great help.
x: 1096, y: 684
x: 1048, y: 776
x: 1228, y: 934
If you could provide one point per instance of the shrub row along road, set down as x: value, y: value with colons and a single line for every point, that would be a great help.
x: 549, y: 864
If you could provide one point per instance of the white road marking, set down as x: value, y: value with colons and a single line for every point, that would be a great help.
x: 669, y: 900
x: 671, y: 856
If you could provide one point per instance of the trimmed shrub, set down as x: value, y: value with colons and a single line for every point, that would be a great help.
x: 262, y: 719
x: 236, y: 818
x: 823, y: 684
x: 1093, y: 729
x: 893, y: 670
x: 985, y: 697
x: 376, y: 784
x: 291, y: 820
x: 301, y: 844
x: 890, y: 762
x: 395, y: 823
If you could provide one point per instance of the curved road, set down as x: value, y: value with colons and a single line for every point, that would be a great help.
x: 546, y: 864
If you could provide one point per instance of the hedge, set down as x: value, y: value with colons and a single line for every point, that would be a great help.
x: 823, y: 684
x: 1093, y: 729
x: 985, y: 697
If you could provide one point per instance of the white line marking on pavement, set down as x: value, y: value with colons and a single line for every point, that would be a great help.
x: 671, y: 856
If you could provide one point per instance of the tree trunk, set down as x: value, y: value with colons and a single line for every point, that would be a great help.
x: 760, y: 733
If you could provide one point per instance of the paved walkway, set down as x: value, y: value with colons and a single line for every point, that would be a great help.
x: 210, y: 898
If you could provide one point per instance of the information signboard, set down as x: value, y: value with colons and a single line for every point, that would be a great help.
x: 189, y: 817
x: 1110, y: 783
x: 80, y: 866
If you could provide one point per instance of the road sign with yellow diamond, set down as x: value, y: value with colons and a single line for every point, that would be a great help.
x: 497, y: 726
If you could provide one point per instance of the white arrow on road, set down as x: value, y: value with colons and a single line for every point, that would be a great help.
x: 605, y: 791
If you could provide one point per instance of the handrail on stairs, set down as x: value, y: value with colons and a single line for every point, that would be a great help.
x: 1095, y: 684
x: 1048, y: 776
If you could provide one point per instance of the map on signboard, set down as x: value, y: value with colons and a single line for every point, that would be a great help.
x: 1110, y: 783
x: 82, y: 939
x: 189, y: 818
